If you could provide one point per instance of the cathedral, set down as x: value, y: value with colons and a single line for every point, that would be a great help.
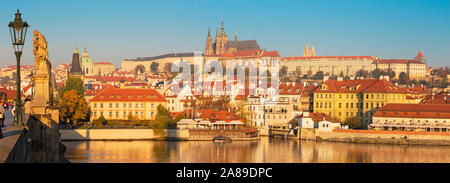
x: 223, y: 45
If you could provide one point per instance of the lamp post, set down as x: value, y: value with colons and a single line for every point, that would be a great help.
x: 18, y: 31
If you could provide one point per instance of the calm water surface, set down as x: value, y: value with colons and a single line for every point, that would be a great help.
x: 266, y: 150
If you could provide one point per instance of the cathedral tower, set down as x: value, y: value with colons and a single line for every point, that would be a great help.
x: 306, y: 51
x: 313, y: 51
x: 209, y: 49
x: 221, y: 40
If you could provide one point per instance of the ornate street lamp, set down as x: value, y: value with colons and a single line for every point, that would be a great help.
x: 18, y: 31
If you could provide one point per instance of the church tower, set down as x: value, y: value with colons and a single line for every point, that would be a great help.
x: 420, y: 57
x: 209, y: 49
x: 313, y: 51
x: 221, y: 40
x: 306, y: 51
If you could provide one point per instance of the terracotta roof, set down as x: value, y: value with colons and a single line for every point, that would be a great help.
x: 357, y: 86
x: 251, y: 54
x: 330, y: 57
x: 107, y: 63
x: 400, y: 61
x: 213, y: 115
x: 116, y: 94
x: 290, y: 89
x: 420, y: 55
x: 315, y: 116
x: 442, y: 98
x: 414, y: 111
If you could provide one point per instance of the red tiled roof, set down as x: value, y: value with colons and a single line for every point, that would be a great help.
x: 330, y: 57
x: 285, y: 89
x: 213, y: 115
x: 414, y: 111
x: 357, y: 86
x: 316, y: 116
x: 106, y: 63
x: 116, y: 94
x: 420, y: 55
x: 399, y: 61
x: 251, y: 54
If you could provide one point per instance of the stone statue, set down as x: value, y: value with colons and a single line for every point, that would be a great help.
x: 40, y: 52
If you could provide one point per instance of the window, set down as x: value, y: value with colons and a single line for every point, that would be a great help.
x: 124, y: 105
x: 101, y: 105
x: 110, y: 114
x: 117, y: 114
x: 142, y: 105
x: 130, y: 105
x: 110, y: 105
x: 95, y: 105
x: 117, y: 105
x: 136, y: 105
x: 139, y: 96
x: 340, y: 105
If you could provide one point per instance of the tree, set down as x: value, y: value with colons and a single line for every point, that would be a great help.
x: 318, y: 76
x: 362, y: 73
x: 283, y: 71
x: 376, y: 73
x: 73, y: 107
x: 443, y: 83
x: 102, y: 120
x: 353, y: 122
x: 154, y: 67
x: 73, y: 83
x: 162, y: 121
x: 403, y: 78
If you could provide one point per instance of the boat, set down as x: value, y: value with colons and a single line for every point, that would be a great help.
x: 222, y: 139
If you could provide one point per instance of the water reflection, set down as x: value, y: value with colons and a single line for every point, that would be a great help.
x: 266, y: 150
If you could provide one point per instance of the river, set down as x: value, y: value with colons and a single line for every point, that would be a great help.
x: 263, y: 151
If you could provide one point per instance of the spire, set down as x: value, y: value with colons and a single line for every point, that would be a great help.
x: 222, y: 29
x: 85, y: 52
x: 313, y: 51
x: 209, y: 32
x: 306, y: 51
x: 235, y: 34
x: 76, y: 48
x: 420, y: 55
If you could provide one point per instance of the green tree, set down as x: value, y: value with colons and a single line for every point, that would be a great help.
x: 154, y: 67
x: 283, y: 71
x: 162, y: 121
x: 102, y: 120
x: 353, y: 122
x: 376, y: 73
x: 443, y: 83
x: 318, y: 76
x: 403, y: 78
x: 73, y: 83
x: 73, y: 107
x: 362, y: 73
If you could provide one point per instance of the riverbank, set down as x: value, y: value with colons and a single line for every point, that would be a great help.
x: 150, y: 134
x: 378, y: 137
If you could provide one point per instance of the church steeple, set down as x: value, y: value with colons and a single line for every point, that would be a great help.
x: 313, y: 51
x: 209, y: 50
x: 306, y: 51
x: 85, y: 52
x: 235, y: 35
x: 76, y: 49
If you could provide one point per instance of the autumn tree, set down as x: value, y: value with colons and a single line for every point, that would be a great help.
x: 73, y: 107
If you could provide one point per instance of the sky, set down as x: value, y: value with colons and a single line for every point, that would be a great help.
x: 114, y: 30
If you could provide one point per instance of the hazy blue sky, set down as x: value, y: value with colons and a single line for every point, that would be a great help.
x: 118, y: 29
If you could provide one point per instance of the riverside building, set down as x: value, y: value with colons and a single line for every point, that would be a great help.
x: 117, y: 104
x: 356, y: 98
x: 412, y: 117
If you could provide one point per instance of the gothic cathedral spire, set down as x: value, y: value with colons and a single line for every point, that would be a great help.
x: 306, y: 51
x: 209, y: 50
x: 313, y: 51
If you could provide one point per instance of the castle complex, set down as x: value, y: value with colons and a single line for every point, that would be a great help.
x: 223, y: 45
